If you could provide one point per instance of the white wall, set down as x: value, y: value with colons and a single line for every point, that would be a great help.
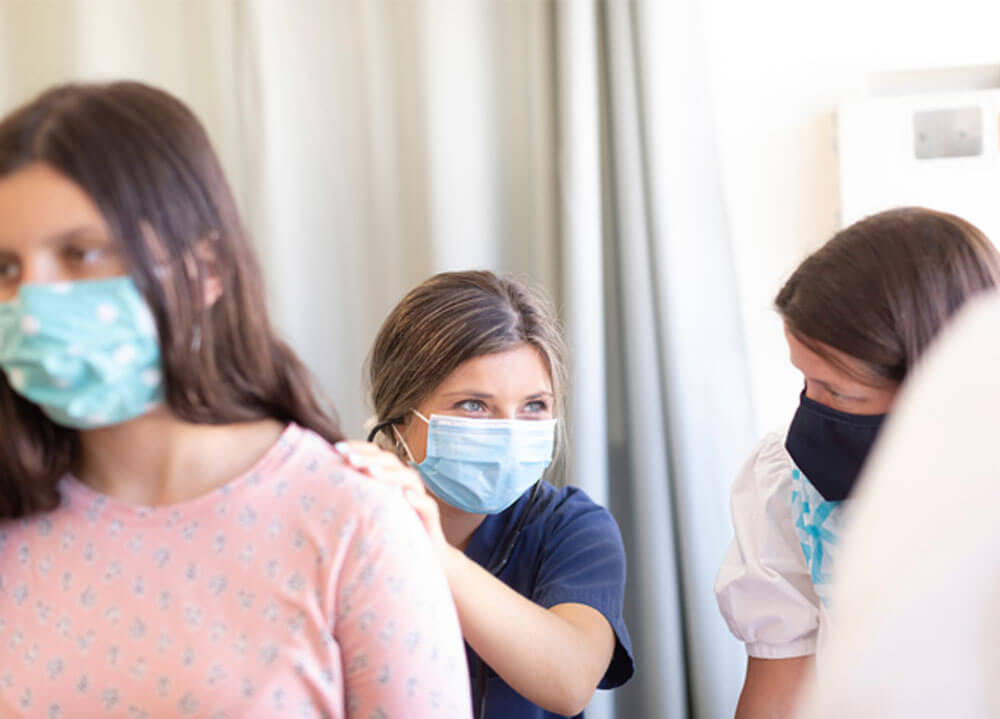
x: 777, y: 69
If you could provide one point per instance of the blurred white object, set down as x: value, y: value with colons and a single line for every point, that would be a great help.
x: 919, y: 584
x: 939, y: 150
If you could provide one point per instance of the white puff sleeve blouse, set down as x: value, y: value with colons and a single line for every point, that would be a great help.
x: 764, y: 588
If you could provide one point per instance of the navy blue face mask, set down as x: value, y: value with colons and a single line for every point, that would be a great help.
x: 830, y: 446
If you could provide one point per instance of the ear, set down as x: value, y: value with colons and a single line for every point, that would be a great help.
x: 204, y: 254
x: 204, y: 250
x: 413, y: 432
x: 396, y: 442
x: 213, y: 290
x: 398, y: 433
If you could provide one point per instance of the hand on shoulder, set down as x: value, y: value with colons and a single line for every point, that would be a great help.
x: 386, y: 468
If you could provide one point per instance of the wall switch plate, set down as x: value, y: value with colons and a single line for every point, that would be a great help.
x: 955, y: 132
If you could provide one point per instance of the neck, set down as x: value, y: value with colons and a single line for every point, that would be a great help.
x: 458, y: 526
x: 158, y: 459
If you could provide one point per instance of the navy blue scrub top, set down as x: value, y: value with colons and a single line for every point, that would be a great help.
x: 569, y: 550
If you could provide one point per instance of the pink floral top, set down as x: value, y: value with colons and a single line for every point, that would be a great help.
x: 300, y: 589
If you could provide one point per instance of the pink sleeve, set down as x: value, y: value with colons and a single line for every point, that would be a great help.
x: 394, y: 618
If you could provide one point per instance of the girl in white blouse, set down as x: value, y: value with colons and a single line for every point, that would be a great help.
x: 857, y: 314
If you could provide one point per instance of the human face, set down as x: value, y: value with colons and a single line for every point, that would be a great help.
x: 506, y: 385
x: 51, y: 231
x: 832, y: 386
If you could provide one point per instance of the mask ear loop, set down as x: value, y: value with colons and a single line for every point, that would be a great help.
x: 398, y: 435
x: 406, y: 448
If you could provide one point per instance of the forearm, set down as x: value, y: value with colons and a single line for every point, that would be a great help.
x: 543, y: 654
x: 772, y: 686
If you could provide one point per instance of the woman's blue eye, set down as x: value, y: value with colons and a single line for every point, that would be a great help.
x: 536, y: 406
x: 471, y: 405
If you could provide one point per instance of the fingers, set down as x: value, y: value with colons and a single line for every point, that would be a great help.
x: 359, y: 446
x: 379, y: 464
x: 427, y: 510
x: 365, y: 454
x: 422, y: 502
x: 367, y: 457
x: 385, y: 467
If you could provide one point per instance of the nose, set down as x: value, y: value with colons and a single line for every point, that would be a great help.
x: 30, y: 269
x: 39, y: 269
x: 505, y: 412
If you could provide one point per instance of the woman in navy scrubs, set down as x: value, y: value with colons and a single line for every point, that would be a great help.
x: 466, y: 377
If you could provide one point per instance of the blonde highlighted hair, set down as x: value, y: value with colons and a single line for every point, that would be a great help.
x: 449, y: 319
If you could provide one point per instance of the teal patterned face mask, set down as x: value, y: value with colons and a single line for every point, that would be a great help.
x: 85, y: 352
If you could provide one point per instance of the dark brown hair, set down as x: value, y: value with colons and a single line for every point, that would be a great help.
x: 147, y: 163
x: 881, y: 289
x: 448, y: 319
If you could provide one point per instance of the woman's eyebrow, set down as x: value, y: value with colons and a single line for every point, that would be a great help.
x: 539, y: 395
x: 65, y: 236
x: 468, y: 393
x: 76, y: 232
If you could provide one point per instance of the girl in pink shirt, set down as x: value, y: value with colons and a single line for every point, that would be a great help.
x: 177, y: 535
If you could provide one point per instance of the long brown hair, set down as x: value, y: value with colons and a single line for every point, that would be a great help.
x: 448, y: 319
x: 147, y: 163
x: 881, y: 289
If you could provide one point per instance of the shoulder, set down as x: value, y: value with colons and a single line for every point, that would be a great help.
x: 563, y: 508
x: 309, y: 472
x: 767, y: 471
x: 762, y: 490
x: 361, y: 523
x: 308, y: 459
x: 565, y: 499
x: 573, y: 533
x: 570, y: 527
x: 770, y: 458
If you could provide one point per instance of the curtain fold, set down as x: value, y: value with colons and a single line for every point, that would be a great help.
x: 679, y: 411
x: 639, y: 466
x: 579, y: 192
x: 704, y: 361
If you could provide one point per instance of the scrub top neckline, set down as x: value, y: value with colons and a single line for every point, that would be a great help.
x: 485, y: 542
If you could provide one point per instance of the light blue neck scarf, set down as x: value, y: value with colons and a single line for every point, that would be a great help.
x: 819, y: 523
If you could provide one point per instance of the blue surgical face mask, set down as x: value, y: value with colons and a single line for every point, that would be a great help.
x: 483, y: 465
x: 85, y: 352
